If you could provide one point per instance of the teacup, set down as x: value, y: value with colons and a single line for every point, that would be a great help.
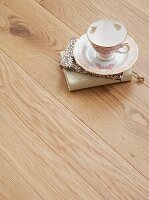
x: 107, y: 37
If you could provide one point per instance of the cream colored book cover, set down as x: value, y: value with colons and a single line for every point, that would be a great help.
x: 76, y: 81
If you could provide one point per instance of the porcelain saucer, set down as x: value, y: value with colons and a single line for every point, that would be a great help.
x: 87, y: 58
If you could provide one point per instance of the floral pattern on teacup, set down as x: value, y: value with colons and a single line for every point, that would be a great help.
x: 117, y: 26
x: 106, y: 50
x: 93, y: 29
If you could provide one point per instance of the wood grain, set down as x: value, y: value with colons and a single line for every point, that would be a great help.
x: 58, y: 161
x: 118, y: 114
x: 12, y: 185
x: 142, y: 5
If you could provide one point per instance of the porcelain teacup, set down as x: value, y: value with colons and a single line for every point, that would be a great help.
x: 107, y: 37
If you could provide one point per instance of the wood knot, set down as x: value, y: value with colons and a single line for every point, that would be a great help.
x: 19, y: 30
x: 132, y: 155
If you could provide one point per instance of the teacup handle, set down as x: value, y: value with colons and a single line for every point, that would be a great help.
x: 124, y: 45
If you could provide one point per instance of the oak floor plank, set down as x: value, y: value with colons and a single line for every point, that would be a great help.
x: 79, y: 14
x: 119, y: 114
x: 55, y: 153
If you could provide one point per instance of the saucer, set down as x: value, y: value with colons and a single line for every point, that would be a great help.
x: 86, y: 57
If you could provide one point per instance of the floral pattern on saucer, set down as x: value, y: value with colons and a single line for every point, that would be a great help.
x: 109, y: 67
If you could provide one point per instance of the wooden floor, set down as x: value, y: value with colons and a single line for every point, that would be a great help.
x: 54, y: 144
